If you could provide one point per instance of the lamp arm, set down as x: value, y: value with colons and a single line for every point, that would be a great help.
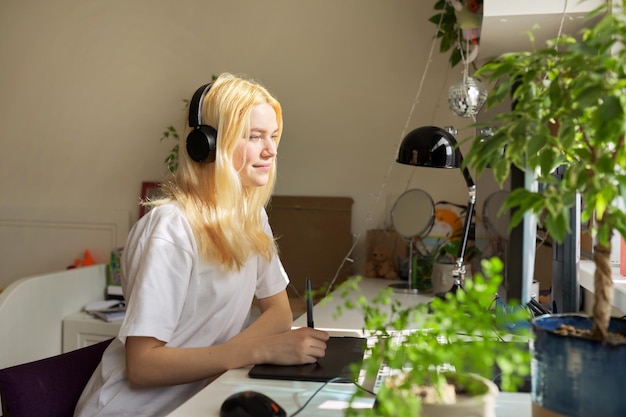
x: 467, y: 225
x: 469, y: 181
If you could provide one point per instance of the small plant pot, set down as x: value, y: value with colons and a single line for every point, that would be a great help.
x: 482, y: 403
x: 575, y: 376
x: 422, y: 272
x: 479, y: 405
x: 442, y: 279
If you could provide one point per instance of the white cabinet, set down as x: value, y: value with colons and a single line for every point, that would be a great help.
x: 81, y: 329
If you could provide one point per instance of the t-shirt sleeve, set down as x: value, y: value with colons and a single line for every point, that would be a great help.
x: 156, y: 265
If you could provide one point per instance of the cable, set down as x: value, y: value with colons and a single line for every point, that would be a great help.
x: 338, y: 379
x: 368, y: 216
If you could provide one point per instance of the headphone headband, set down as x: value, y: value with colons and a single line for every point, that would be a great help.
x: 195, y: 105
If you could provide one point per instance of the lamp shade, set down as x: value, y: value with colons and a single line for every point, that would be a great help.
x: 430, y: 146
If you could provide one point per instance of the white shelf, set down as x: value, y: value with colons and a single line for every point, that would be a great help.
x: 81, y: 329
x: 586, y: 271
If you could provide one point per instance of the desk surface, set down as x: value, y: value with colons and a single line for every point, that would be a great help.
x: 291, y: 395
x: 332, y: 399
x: 350, y: 322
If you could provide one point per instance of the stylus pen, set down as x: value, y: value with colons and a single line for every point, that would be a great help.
x: 309, y: 303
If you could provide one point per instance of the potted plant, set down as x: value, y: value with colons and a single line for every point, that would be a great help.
x: 448, y: 360
x: 428, y: 258
x: 569, y: 110
x: 436, y: 255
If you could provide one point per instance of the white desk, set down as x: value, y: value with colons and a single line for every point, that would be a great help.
x: 350, y: 322
x: 291, y: 395
x: 331, y: 400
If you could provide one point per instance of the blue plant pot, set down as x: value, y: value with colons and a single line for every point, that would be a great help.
x: 577, y: 377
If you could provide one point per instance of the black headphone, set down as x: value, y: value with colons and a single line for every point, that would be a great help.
x: 202, y: 140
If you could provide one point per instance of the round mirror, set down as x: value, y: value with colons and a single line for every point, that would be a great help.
x: 496, y: 223
x: 413, y: 213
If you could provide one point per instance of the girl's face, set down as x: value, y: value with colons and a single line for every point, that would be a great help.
x: 255, y: 155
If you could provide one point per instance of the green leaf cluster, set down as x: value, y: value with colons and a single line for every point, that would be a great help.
x: 171, y: 160
x: 170, y: 132
x: 463, y: 334
x: 569, y: 109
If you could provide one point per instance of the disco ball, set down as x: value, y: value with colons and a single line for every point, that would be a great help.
x: 467, y: 97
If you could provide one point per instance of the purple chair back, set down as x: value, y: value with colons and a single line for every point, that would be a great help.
x: 49, y: 387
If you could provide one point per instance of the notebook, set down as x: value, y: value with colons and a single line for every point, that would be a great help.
x: 341, y: 352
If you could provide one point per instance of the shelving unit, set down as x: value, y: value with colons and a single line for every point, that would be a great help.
x: 81, y: 329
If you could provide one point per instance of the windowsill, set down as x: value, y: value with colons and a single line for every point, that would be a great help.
x: 586, y: 270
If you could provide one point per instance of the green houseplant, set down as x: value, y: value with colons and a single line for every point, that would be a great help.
x: 171, y: 160
x: 438, y: 258
x: 587, y: 112
x: 569, y: 110
x: 458, y: 338
x: 433, y: 252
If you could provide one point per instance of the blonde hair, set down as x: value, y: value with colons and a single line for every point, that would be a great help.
x: 225, y: 216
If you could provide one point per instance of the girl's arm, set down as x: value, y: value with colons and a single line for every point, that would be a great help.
x: 268, y: 340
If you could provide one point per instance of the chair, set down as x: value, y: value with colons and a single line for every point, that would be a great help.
x: 49, y: 387
x: 32, y: 310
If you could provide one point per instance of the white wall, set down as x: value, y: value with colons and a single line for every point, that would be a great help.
x: 87, y: 87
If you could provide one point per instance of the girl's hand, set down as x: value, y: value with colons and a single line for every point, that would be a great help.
x: 295, y: 347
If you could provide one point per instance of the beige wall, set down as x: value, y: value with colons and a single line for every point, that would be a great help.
x: 88, y: 86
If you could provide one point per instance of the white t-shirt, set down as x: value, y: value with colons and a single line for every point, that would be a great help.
x: 175, y: 297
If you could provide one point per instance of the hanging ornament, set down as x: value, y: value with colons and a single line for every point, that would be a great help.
x: 469, y: 16
x: 467, y: 97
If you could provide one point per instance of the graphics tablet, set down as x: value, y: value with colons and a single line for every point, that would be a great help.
x: 341, y: 352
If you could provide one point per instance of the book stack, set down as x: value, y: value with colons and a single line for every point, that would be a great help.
x: 114, y: 275
x: 107, y: 310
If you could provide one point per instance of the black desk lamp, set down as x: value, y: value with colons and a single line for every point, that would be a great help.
x: 433, y: 147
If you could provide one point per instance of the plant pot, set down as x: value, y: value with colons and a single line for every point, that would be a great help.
x: 573, y: 376
x: 422, y: 272
x: 479, y: 404
x: 442, y: 279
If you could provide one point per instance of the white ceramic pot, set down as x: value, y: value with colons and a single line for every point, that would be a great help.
x: 481, y: 404
x: 466, y: 406
x: 442, y: 278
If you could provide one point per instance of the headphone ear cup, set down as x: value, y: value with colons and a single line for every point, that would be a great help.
x: 201, y: 144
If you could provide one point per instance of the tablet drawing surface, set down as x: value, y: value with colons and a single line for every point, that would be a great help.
x: 341, y: 352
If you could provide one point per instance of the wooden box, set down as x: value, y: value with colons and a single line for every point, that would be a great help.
x: 314, y: 236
